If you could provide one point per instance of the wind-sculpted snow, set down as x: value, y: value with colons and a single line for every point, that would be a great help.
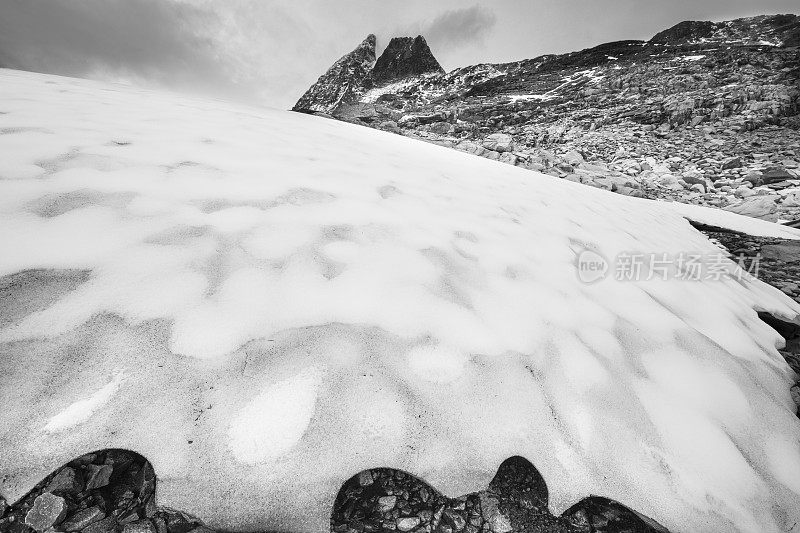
x: 265, y: 303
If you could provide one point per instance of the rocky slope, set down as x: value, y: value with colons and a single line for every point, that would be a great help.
x: 704, y: 112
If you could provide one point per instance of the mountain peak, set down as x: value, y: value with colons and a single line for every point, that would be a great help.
x: 357, y: 72
x: 340, y: 83
x: 404, y: 57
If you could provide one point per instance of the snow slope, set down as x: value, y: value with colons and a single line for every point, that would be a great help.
x: 726, y: 219
x: 264, y: 303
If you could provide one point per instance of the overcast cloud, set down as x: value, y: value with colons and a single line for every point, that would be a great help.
x: 468, y: 25
x: 269, y: 51
x: 162, y: 41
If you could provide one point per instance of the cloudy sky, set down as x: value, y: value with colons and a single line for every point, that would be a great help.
x: 269, y: 51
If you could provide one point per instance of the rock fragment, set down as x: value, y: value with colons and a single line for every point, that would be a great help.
x: 83, y: 518
x: 408, y: 523
x: 67, y: 480
x: 99, y: 476
x: 48, y: 510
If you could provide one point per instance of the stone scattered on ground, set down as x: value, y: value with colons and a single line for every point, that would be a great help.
x: 374, y: 500
x: 516, y: 500
x: 110, y: 491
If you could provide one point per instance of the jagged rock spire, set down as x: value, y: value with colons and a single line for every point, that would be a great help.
x: 338, y: 85
x: 357, y: 72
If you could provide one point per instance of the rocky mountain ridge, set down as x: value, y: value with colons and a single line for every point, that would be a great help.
x: 341, y: 81
x: 358, y: 71
x: 704, y: 112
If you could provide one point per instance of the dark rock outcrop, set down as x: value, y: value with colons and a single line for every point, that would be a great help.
x: 405, y: 57
x: 688, y: 30
x: 777, y: 30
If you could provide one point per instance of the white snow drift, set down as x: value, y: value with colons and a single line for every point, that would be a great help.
x: 291, y: 300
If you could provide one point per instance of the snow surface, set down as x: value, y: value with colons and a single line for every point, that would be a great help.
x: 376, y: 92
x: 727, y: 219
x: 265, y: 303
x: 372, y: 95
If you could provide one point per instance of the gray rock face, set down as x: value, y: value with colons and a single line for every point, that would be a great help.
x: 341, y: 83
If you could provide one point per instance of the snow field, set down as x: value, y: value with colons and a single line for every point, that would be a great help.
x: 274, y: 302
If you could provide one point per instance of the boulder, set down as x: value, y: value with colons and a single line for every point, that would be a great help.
x: 99, y: 476
x: 67, y: 480
x: 669, y: 181
x: 734, y: 162
x: 356, y: 111
x: 698, y: 119
x: 776, y: 174
x: 386, y: 503
x: 695, y: 178
x: 573, y: 158
x: 390, y: 126
x: 791, y: 200
x: 47, y: 511
x: 442, y: 128
x: 407, y: 524
x: 755, y: 178
x: 499, y: 142
x: 763, y: 207
x: 508, y: 157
